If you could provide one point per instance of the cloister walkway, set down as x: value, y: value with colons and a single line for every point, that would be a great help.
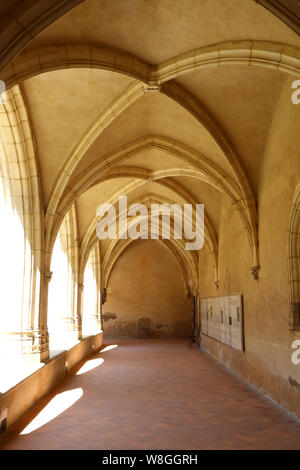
x: 153, y: 394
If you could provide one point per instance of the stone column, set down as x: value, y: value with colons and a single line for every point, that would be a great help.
x: 92, y: 320
x: 79, y: 309
x: 29, y: 344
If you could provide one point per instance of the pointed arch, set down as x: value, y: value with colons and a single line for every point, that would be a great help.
x: 268, y: 54
x: 62, y: 309
x: 91, y: 310
x: 20, y: 176
x: 209, y: 233
x: 203, y: 169
x: 21, y: 24
x: 121, y: 103
x: 169, y: 244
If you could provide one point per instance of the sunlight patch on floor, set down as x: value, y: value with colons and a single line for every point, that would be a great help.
x: 55, y: 407
x: 108, y: 348
x: 90, y: 365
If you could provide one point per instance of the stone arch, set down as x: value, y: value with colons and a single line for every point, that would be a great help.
x: 248, y: 52
x: 203, y: 169
x: 32, y: 17
x: 121, y: 103
x: 110, y: 254
x: 131, y: 94
x: 210, y: 236
x: 20, y: 176
x: 64, y: 261
x: 268, y: 54
x: 25, y: 21
x: 169, y: 244
x: 91, y: 309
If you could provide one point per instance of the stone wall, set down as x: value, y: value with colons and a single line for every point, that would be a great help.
x: 266, y: 362
x: 146, y: 282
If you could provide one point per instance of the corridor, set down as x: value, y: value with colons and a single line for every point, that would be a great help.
x: 152, y: 394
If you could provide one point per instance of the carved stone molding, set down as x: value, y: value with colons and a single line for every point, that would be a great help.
x: 152, y: 87
x: 31, y: 343
x: 287, y: 11
x: 104, y: 296
x: 47, y: 276
x: 255, y: 272
x: 25, y: 20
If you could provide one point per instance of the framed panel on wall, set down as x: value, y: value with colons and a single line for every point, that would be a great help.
x: 222, y: 319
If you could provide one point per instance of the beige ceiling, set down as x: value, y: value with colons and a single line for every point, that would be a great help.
x: 243, y: 101
x: 154, y: 113
x: 94, y: 122
x: 156, y: 30
x: 62, y: 105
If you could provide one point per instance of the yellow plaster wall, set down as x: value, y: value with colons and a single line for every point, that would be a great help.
x: 266, y: 362
x: 146, y: 282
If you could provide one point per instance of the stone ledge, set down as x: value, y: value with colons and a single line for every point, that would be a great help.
x: 26, y: 393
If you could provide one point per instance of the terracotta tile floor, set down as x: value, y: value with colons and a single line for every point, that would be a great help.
x: 157, y: 394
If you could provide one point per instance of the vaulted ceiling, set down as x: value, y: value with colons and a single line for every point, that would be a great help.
x: 171, y: 100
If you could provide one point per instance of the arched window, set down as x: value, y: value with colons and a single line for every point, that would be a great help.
x: 20, y: 235
x: 62, y: 300
x: 91, y: 323
x: 12, y: 255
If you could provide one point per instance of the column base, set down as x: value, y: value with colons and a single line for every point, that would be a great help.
x: 31, y: 346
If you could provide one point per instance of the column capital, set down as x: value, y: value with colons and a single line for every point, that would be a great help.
x: 254, y: 270
x: 47, y: 276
